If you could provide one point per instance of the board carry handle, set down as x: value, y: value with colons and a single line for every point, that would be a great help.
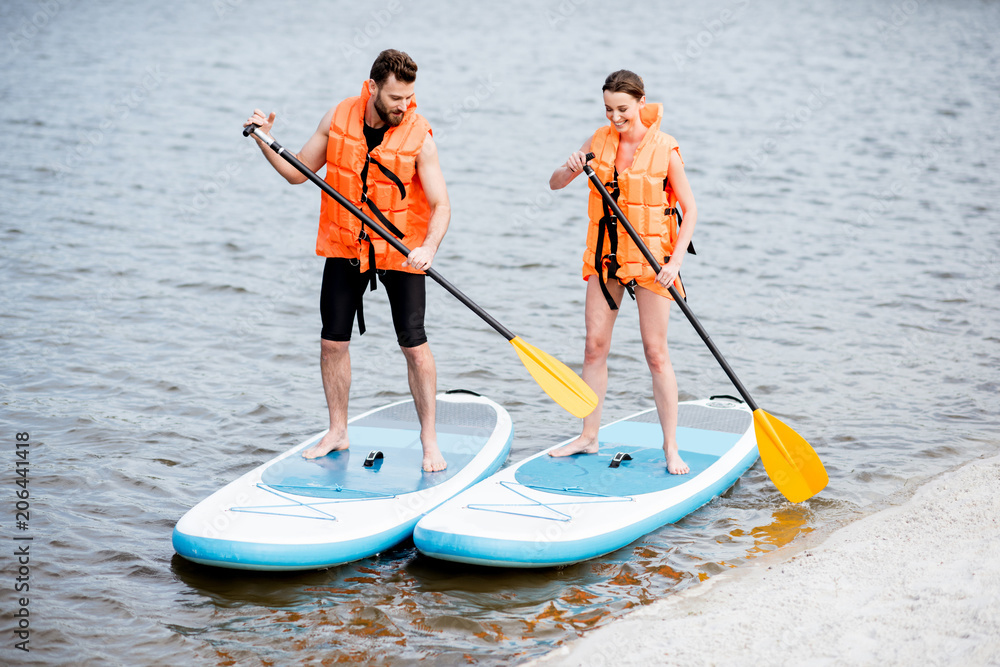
x: 462, y: 391
x: 619, y: 457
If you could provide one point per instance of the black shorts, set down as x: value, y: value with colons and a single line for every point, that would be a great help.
x: 343, y: 288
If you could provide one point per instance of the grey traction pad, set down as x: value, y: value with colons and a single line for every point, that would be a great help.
x: 471, y: 418
x: 725, y: 419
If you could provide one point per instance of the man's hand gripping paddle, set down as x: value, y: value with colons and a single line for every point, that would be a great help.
x: 564, y: 386
x: 790, y: 462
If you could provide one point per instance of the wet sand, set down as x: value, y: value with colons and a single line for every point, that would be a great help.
x: 917, y: 583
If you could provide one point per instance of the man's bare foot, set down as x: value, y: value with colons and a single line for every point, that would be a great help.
x: 331, y: 442
x: 675, y: 464
x: 433, y: 461
x: 582, y: 445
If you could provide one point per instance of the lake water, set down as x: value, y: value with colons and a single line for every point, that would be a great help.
x: 159, y: 321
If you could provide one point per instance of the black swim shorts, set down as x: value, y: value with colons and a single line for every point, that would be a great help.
x: 343, y: 289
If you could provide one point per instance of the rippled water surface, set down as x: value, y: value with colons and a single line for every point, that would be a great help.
x: 159, y: 317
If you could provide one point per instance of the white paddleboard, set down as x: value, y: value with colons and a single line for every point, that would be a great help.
x: 297, y: 514
x: 548, y: 511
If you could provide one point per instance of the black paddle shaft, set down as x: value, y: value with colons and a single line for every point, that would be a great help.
x: 374, y: 226
x: 648, y: 254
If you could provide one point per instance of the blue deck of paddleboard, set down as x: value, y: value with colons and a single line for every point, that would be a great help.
x: 645, y: 473
x: 342, y: 474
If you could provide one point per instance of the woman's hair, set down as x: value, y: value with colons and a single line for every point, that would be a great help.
x: 624, y: 81
x: 396, y: 63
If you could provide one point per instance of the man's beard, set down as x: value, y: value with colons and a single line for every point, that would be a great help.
x: 383, y: 113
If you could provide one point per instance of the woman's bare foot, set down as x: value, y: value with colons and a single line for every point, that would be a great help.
x: 582, y: 445
x: 433, y: 461
x: 331, y: 442
x: 675, y: 464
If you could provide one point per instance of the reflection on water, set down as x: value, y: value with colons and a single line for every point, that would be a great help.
x: 159, y: 303
x: 789, y: 523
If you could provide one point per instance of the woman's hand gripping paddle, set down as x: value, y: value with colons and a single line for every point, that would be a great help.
x: 790, y: 462
x: 557, y: 380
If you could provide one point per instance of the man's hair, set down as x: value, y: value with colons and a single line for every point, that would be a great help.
x: 396, y: 63
x: 624, y: 81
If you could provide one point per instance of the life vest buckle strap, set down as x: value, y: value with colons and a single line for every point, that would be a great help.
x: 364, y: 237
x: 391, y: 176
x: 676, y: 210
x: 393, y: 229
x: 630, y: 287
x: 605, y: 262
x: 371, y: 266
x: 361, y: 312
x: 372, y: 285
x: 608, y: 225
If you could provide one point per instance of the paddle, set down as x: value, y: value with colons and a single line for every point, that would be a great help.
x: 557, y: 380
x: 790, y: 462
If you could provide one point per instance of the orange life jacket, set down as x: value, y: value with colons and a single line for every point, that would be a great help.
x: 390, y: 183
x: 646, y: 199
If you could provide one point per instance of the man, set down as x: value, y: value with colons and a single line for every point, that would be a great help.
x: 378, y: 153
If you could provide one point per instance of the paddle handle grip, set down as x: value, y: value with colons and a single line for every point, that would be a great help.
x: 648, y: 254
x: 375, y: 227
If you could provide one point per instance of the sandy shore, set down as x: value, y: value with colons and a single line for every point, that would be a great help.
x: 914, y: 584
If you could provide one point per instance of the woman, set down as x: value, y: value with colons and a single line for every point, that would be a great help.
x: 643, y: 169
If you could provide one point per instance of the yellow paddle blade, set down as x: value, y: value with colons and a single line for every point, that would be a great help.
x: 790, y: 462
x: 564, y: 386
